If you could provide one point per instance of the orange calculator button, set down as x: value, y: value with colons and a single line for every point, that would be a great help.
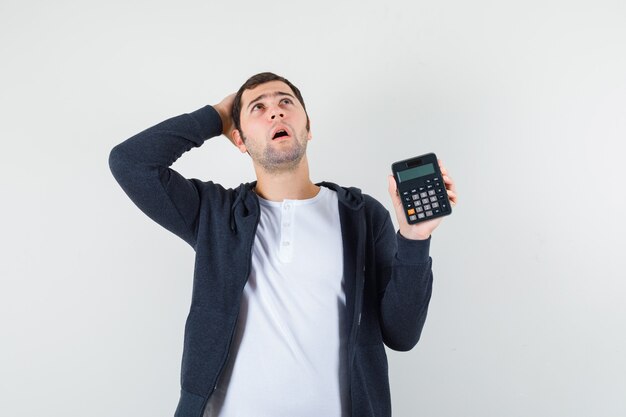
x: 411, y: 211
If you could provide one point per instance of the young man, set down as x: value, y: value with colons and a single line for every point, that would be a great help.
x: 297, y: 285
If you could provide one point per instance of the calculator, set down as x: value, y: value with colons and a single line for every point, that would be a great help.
x: 421, y: 188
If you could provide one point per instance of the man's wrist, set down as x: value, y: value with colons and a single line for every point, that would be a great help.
x: 221, y: 112
x: 413, y: 236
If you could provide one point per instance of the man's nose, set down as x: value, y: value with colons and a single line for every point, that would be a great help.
x: 276, y: 112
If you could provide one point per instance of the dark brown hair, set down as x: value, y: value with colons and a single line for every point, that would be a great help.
x: 256, y: 80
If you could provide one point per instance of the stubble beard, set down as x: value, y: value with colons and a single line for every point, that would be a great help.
x: 274, y: 159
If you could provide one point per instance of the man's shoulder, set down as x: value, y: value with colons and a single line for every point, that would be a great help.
x: 355, y: 197
x: 215, y: 194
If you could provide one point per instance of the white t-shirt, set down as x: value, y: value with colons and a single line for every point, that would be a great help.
x: 288, y: 356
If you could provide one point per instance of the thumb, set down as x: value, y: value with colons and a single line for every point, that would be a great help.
x: 393, y: 188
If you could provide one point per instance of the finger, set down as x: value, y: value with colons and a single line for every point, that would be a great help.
x: 449, y: 182
x: 443, y: 169
x: 452, y: 197
x: 393, y: 188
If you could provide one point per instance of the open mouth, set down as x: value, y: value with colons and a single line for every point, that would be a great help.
x: 280, y: 133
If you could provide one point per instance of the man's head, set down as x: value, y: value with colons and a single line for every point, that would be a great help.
x: 264, y: 105
x: 255, y: 81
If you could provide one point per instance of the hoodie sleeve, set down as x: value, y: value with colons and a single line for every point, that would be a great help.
x: 405, y: 286
x: 141, y: 166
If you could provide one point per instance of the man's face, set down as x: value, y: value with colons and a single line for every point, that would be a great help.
x: 265, y: 110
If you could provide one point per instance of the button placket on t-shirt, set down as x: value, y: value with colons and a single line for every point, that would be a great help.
x: 287, y: 212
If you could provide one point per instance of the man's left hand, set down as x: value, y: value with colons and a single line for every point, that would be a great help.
x: 421, y: 230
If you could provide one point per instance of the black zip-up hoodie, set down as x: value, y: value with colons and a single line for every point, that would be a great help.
x: 388, y: 277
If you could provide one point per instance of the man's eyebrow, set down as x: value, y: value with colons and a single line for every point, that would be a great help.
x: 274, y: 94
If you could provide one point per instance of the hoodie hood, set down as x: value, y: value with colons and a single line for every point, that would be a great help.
x: 349, y: 196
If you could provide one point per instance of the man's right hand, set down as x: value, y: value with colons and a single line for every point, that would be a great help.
x: 224, y: 108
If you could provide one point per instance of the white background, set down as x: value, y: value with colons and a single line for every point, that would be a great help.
x: 524, y: 101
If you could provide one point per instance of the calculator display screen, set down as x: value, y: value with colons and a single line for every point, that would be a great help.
x: 412, y: 173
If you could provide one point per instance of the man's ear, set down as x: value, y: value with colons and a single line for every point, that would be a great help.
x: 309, y: 135
x: 238, y: 141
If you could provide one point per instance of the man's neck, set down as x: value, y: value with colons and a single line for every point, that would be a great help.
x: 293, y: 185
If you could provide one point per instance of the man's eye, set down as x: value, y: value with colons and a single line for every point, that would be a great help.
x: 254, y: 107
x: 288, y: 100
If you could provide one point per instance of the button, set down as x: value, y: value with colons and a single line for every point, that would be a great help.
x: 417, y: 203
x: 415, y: 197
x: 286, y: 224
x: 285, y: 243
x: 427, y: 207
x: 287, y: 206
x: 433, y: 198
x: 412, y: 217
x: 435, y: 205
x: 419, y: 209
x: 425, y: 201
x: 429, y: 213
x: 431, y: 192
x: 424, y: 194
x: 420, y: 215
x: 411, y: 211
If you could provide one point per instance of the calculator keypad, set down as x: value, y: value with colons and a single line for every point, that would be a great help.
x: 426, y: 200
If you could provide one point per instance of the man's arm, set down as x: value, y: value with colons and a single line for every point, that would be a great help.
x: 405, y: 280
x: 141, y: 164
x: 405, y: 276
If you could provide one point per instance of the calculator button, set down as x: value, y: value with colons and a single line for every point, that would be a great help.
x: 413, y: 191
x: 437, y: 211
x: 429, y: 186
x: 412, y: 217
x: 424, y: 194
x: 435, y: 205
x: 408, y: 205
x: 405, y: 192
x: 420, y: 215
x: 439, y: 190
x: 427, y: 207
x: 419, y: 209
x: 431, y: 192
x: 415, y: 196
x: 417, y: 203
x: 433, y: 198
x: 429, y: 213
x: 411, y: 211
x: 425, y: 201
x: 422, y: 189
x: 428, y: 181
x: 407, y: 198
x: 436, y: 179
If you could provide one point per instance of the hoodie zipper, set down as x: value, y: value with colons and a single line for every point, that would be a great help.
x: 232, y: 332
